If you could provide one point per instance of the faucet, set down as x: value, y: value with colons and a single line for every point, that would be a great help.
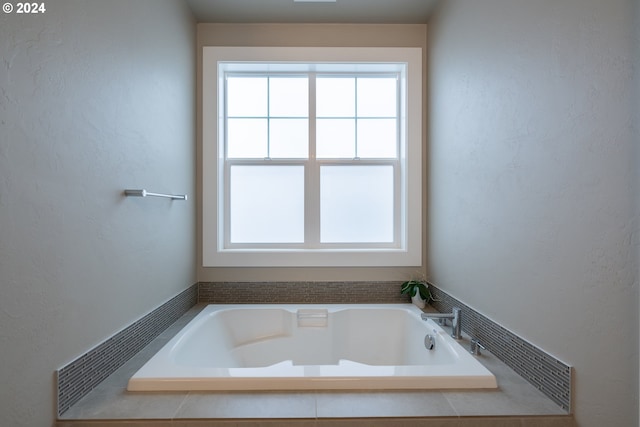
x: 475, y: 346
x: 456, y: 320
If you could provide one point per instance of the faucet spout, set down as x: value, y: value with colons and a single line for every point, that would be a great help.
x: 456, y: 320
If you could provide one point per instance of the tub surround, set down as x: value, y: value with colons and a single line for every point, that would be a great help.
x: 547, y: 374
x: 79, y: 377
x: 300, y: 293
x: 515, y: 404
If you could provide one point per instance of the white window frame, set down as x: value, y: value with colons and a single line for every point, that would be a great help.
x: 408, y: 249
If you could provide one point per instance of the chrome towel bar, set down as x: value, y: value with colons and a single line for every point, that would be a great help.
x: 145, y: 193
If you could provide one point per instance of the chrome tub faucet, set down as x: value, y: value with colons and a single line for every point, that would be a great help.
x: 475, y: 346
x: 456, y: 320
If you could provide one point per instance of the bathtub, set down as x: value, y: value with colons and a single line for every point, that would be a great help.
x: 311, y: 347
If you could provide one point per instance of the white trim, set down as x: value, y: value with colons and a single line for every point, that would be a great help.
x: 410, y: 252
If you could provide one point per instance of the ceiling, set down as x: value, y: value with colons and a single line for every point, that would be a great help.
x: 288, y: 11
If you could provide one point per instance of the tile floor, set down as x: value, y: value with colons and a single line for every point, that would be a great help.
x: 514, y: 404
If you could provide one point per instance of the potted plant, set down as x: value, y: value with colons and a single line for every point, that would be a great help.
x: 418, y: 290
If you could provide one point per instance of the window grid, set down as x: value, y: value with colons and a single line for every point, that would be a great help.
x: 313, y: 165
x: 268, y: 117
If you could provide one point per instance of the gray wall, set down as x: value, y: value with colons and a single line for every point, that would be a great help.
x: 533, y: 185
x: 636, y: 121
x: 95, y: 97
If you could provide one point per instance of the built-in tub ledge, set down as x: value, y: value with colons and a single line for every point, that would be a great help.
x: 514, y: 403
x: 545, y: 372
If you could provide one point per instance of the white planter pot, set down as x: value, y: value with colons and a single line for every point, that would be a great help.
x: 418, y: 301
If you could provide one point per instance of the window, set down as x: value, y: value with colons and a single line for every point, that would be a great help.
x: 312, y: 159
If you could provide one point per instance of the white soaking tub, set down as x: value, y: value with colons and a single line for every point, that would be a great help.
x: 311, y: 347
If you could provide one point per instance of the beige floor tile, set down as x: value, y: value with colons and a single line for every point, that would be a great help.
x: 277, y: 423
x: 115, y: 403
x: 204, y: 423
x: 510, y: 400
x: 383, y: 404
x: 565, y: 421
x: 116, y: 423
x: 248, y: 405
x: 404, y: 422
x: 491, y: 422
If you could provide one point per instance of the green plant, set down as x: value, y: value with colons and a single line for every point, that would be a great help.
x: 411, y: 287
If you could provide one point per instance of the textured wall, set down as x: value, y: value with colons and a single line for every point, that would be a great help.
x: 636, y: 121
x: 95, y: 97
x: 533, y: 186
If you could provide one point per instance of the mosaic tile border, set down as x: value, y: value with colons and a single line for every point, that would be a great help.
x: 79, y: 377
x: 300, y: 293
x: 548, y: 374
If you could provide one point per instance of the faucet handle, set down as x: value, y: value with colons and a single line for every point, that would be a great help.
x: 429, y: 341
x: 475, y: 346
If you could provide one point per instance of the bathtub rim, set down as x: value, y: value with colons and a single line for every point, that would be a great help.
x: 408, y: 377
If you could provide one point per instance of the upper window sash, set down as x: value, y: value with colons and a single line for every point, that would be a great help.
x: 348, y: 109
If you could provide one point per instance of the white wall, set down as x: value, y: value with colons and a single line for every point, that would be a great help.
x: 533, y: 186
x: 95, y: 97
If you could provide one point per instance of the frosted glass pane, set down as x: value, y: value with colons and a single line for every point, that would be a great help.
x: 377, y: 97
x: 247, y: 97
x: 335, y: 97
x: 288, y: 97
x: 247, y: 138
x: 377, y: 138
x: 356, y: 204
x: 335, y: 138
x: 266, y: 204
x: 289, y: 138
